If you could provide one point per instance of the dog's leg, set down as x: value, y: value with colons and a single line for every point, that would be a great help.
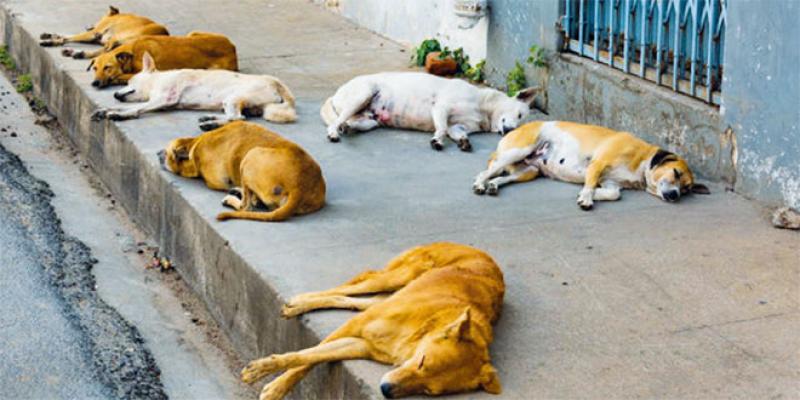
x: 459, y: 134
x: 154, y: 104
x: 50, y: 39
x: 307, y: 304
x: 593, y: 173
x: 608, y: 191
x: 234, y: 198
x: 525, y: 174
x: 360, y: 124
x: 440, y: 115
x: 346, y: 348
x: 352, y: 106
x: 280, y: 386
x: 81, y: 54
x: 502, y: 161
x: 231, y: 106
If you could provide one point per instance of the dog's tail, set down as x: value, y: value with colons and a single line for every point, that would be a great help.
x: 284, y: 111
x: 327, y: 112
x: 279, y: 214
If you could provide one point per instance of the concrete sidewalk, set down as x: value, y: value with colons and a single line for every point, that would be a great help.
x: 638, y: 298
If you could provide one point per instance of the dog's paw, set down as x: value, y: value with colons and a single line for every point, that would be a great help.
x: 100, y: 114
x: 464, y: 145
x: 333, y: 137
x: 478, y: 188
x: 290, y: 311
x: 209, y: 125
x: 492, y: 189
x: 79, y: 55
x: 437, y: 145
x: 206, y: 118
x: 67, y: 52
x: 258, y: 369
x: 236, y: 191
x: 230, y: 201
x: 585, y: 201
x: 46, y: 36
x: 115, y: 116
x: 47, y: 43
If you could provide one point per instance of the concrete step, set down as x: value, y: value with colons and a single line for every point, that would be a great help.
x: 638, y: 298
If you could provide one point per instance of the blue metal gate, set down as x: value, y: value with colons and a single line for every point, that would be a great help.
x: 675, y: 43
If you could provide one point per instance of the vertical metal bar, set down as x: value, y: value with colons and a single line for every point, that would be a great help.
x: 597, y: 39
x: 659, y: 30
x: 567, y: 18
x: 642, y: 39
x: 625, y: 65
x: 693, y: 15
x: 581, y: 22
x: 710, y: 6
x: 611, y: 8
x: 677, y: 51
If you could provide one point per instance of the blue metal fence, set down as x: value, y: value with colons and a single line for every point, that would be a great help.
x: 675, y: 43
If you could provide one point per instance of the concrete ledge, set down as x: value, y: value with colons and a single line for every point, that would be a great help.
x: 638, y: 298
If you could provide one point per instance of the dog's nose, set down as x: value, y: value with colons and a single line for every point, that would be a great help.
x: 386, y: 389
x: 96, y: 83
x: 672, y: 195
x: 119, y: 96
x: 162, y: 157
x: 507, y: 129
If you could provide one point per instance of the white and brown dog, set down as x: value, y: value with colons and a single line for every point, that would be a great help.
x: 588, y: 154
x: 195, y: 89
x: 424, y: 102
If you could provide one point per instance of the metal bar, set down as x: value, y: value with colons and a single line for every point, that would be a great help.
x: 659, y: 30
x: 596, y: 28
x: 567, y: 17
x: 626, y: 65
x: 581, y: 22
x: 710, y: 50
x: 611, y: 8
x: 676, y: 51
x: 692, y: 5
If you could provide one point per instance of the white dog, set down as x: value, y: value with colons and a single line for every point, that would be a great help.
x: 236, y: 94
x: 424, y: 102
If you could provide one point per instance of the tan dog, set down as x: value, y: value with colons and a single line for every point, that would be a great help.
x: 260, y: 168
x: 588, y: 154
x: 111, y: 31
x: 197, y: 50
x: 436, y: 328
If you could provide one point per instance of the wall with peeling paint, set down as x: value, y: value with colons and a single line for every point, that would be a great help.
x: 412, y: 21
x: 761, y: 97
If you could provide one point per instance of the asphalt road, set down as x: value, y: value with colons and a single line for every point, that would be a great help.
x: 58, y: 339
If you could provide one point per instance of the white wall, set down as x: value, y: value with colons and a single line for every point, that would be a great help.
x: 411, y: 21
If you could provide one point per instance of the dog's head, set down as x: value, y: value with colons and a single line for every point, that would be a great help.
x: 109, y: 67
x: 139, y: 86
x: 508, y: 112
x: 669, y: 177
x: 449, y: 360
x: 177, y: 157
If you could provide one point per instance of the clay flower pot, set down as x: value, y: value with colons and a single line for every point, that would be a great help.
x: 442, y: 67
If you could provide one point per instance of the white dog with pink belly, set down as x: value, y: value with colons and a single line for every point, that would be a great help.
x: 413, y: 100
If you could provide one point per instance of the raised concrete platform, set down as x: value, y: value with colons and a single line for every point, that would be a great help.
x: 638, y: 298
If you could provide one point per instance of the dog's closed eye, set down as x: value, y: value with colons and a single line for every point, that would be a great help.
x: 421, y: 362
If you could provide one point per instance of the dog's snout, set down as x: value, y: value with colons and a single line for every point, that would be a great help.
x: 96, y: 83
x: 162, y: 157
x: 507, y: 129
x: 671, y: 195
x: 386, y: 389
x: 121, y: 96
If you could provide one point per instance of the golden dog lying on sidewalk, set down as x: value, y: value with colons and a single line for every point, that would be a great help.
x: 588, y: 154
x: 260, y: 168
x: 197, y: 50
x: 111, y: 31
x: 436, y: 328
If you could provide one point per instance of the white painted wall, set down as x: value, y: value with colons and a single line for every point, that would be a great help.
x: 411, y: 21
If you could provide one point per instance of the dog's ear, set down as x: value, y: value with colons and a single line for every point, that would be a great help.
x: 124, y: 57
x: 490, y: 381
x: 528, y: 95
x: 113, y: 10
x: 91, y: 64
x: 699, y: 188
x: 459, y: 329
x: 661, y: 157
x: 148, y: 64
x: 181, y: 153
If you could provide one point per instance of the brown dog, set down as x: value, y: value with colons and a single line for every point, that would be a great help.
x: 260, y: 168
x: 436, y: 328
x: 197, y: 50
x: 111, y: 31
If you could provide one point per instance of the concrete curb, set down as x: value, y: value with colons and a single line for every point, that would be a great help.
x: 180, y: 230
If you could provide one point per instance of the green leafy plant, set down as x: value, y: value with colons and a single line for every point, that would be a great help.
x: 515, y: 80
x: 6, y: 60
x: 24, y: 83
x: 476, y: 73
x: 420, y: 52
x: 536, y: 57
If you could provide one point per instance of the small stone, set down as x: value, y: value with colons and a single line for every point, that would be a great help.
x: 13, y: 134
x: 564, y: 284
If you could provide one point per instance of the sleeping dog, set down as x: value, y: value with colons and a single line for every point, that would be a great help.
x: 268, y: 177
x: 436, y: 328
x: 592, y: 155
x: 199, y: 50
x: 111, y: 31
x: 424, y: 102
x: 195, y: 89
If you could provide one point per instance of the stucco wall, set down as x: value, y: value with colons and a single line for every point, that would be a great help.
x: 412, y: 21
